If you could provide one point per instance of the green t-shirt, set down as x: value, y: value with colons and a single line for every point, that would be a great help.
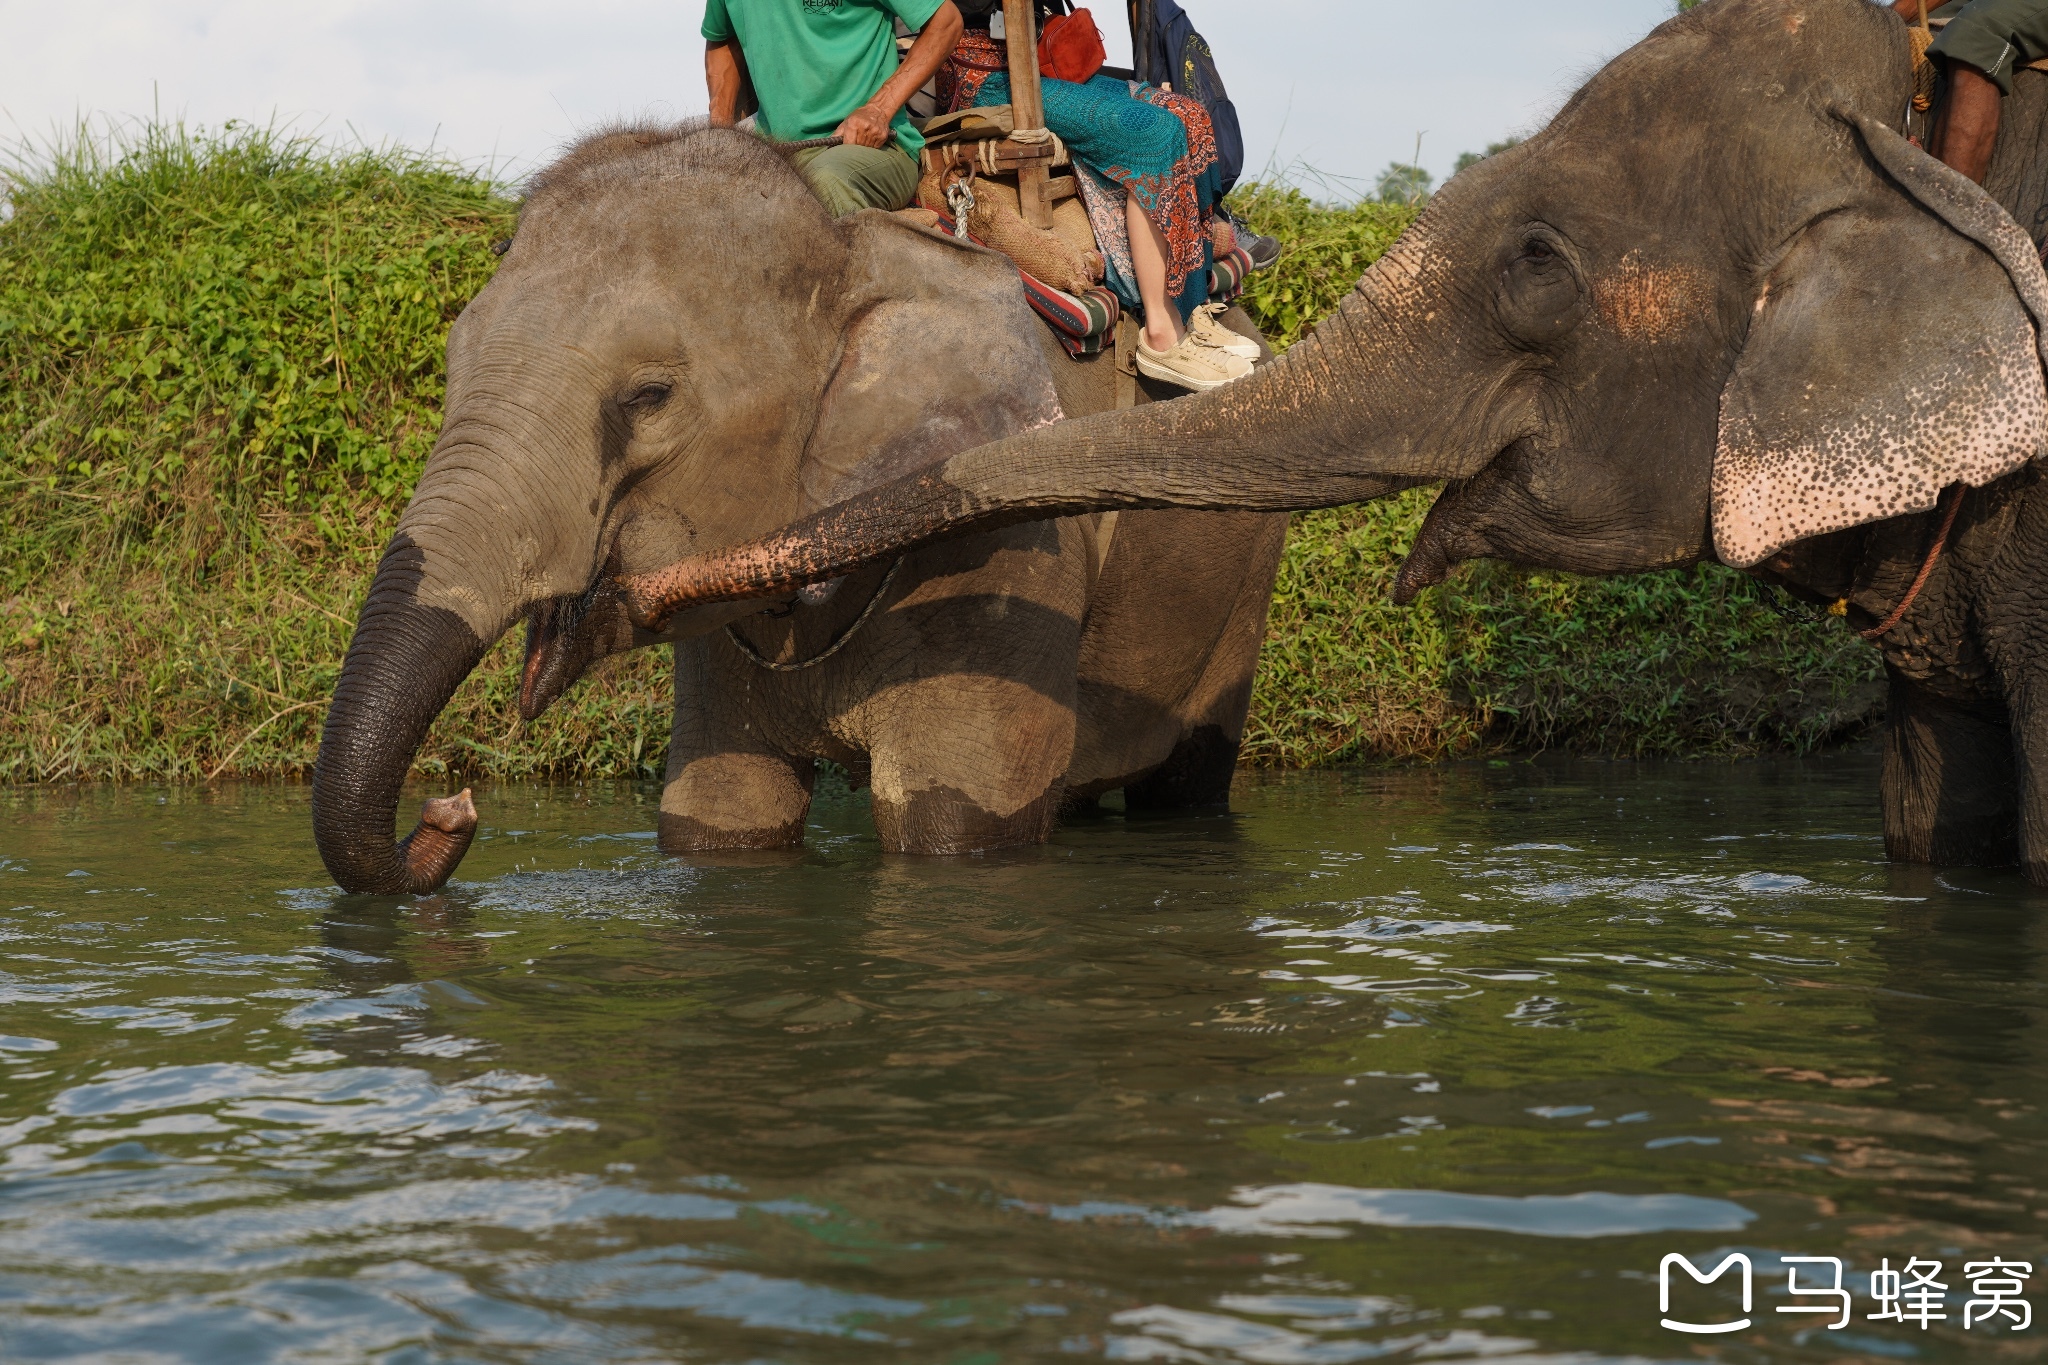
x: 813, y: 62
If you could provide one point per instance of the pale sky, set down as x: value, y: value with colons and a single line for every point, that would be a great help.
x: 1340, y: 86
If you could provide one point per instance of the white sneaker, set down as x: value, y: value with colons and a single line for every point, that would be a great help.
x: 1191, y: 364
x: 1207, y: 326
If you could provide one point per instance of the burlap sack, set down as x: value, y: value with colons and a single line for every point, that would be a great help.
x: 1063, y: 258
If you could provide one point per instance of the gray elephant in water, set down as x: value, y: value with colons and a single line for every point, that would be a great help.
x: 683, y: 350
x: 1720, y: 308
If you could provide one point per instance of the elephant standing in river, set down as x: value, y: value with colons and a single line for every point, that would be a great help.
x: 1719, y: 308
x: 681, y: 350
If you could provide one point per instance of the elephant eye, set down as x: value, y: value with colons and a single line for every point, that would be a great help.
x: 1536, y: 251
x: 648, y: 397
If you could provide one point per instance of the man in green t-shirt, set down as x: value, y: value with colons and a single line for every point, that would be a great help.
x: 828, y: 67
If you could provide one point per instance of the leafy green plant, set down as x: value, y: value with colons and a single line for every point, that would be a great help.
x: 196, y: 330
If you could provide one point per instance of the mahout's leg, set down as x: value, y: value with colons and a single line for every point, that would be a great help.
x: 1951, y: 794
x: 1969, y: 125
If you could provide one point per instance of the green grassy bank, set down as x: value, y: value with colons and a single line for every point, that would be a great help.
x: 220, y: 368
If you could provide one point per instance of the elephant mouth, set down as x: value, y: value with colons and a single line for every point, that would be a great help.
x: 564, y: 636
x: 1447, y: 537
x: 1432, y: 557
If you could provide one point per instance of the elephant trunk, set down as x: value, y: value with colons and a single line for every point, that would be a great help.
x: 1288, y: 436
x: 403, y: 665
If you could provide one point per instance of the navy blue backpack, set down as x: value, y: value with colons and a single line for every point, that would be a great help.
x: 1179, y: 56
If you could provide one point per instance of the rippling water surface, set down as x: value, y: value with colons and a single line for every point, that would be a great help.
x: 1411, y: 1065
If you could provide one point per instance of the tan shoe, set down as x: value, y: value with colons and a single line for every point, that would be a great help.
x: 1191, y: 364
x: 1207, y: 326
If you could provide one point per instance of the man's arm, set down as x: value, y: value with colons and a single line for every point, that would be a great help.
x: 868, y: 126
x: 725, y: 72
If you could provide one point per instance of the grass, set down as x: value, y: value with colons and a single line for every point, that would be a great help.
x: 220, y: 369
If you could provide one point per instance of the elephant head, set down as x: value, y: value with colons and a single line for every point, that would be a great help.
x: 681, y: 350
x: 1717, y: 305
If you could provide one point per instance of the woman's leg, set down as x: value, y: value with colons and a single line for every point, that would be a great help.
x: 1163, y: 327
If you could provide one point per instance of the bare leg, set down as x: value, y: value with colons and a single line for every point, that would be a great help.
x: 1163, y: 327
x: 1969, y: 122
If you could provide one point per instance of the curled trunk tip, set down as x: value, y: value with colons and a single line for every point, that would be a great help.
x: 402, y: 667
x: 436, y: 845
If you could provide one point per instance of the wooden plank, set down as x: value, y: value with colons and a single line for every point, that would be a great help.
x: 1027, y: 106
x: 1009, y: 156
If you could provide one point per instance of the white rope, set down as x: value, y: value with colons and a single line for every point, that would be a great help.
x: 960, y: 199
x: 985, y: 152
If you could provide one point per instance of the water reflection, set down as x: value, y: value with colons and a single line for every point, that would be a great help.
x: 1389, y: 1065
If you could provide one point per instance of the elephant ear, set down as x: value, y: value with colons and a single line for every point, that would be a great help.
x: 1897, y: 349
x: 942, y: 354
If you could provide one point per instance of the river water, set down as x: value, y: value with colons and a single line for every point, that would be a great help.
x: 1407, y: 1065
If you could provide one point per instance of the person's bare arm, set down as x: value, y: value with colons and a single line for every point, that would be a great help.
x: 868, y: 126
x: 725, y: 72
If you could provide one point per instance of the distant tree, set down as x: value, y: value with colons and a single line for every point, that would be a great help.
x: 1684, y: 5
x: 1492, y: 149
x: 1402, y: 183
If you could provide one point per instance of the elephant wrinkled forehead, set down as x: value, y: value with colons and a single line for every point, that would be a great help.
x: 617, y: 183
x: 621, y: 155
x: 1720, y: 73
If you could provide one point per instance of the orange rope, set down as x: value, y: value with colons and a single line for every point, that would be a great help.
x: 1933, y: 553
x: 1919, y: 39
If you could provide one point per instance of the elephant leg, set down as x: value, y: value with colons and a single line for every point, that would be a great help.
x: 1198, y: 772
x: 965, y: 763
x: 2030, y: 759
x: 1950, y: 792
x: 725, y: 788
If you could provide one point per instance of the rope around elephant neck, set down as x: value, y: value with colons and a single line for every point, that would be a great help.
x: 732, y: 632
x: 1884, y: 627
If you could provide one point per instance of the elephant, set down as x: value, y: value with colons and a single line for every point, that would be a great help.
x: 1720, y: 307
x: 681, y: 349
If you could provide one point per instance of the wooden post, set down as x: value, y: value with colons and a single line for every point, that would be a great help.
x: 1027, y: 109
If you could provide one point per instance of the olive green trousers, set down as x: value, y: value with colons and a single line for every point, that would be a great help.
x: 849, y: 178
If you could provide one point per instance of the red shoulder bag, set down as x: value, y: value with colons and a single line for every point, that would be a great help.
x: 1071, y: 48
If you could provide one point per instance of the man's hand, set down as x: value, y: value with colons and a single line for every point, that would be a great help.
x: 866, y: 126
